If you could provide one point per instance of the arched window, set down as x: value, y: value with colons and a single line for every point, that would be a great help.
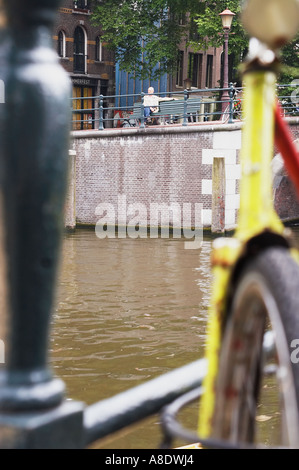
x: 99, y: 50
x: 79, y: 50
x: 61, y: 44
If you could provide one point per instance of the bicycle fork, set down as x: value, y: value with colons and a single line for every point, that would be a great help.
x: 257, y: 218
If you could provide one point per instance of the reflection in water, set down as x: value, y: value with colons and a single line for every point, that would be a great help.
x: 127, y: 311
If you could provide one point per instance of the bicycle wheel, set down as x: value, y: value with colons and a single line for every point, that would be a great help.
x: 266, y: 298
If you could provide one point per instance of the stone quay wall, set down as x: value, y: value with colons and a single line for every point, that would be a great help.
x: 118, y: 175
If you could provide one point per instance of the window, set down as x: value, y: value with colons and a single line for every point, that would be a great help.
x: 195, y: 69
x: 99, y: 50
x: 79, y: 50
x: 209, y: 74
x: 83, y: 107
x: 61, y: 44
x: 182, y: 19
x: 180, y: 69
x: 81, y: 4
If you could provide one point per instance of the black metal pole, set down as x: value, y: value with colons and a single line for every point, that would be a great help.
x: 142, y: 126
x: 231, y: 103
x: 185, y: 118
x: 101, y: 112
x: 138, y: 403
x: 35, y: 122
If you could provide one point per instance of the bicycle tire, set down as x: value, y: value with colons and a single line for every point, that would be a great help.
x: 266, y: 293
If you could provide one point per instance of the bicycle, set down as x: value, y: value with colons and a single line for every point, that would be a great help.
x: 253, y: 315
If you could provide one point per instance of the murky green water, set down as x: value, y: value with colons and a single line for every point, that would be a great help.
x: 127, y: 311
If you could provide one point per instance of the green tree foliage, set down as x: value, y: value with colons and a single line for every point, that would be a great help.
x: 209, y: 25
x: 290, y: 61
x: 290, y: 73
x: 144, y: 33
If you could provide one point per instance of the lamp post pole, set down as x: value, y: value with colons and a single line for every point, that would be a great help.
x: 227, y: 18
x: 225, y: 95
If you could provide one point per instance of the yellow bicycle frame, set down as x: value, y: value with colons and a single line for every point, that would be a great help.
x: 256, y: 216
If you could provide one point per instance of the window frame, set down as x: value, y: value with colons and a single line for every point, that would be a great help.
x: 99, y: 49
x: 61, y: 44
x: 80, y: 56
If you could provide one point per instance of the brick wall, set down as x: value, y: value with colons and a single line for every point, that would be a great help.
x: 119, y: 169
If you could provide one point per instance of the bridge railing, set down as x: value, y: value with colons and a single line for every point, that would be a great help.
x: 114, y: 111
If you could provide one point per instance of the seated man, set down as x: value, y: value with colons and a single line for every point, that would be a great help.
x: 151, y: 103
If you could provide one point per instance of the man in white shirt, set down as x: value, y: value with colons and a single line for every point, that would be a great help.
x: 151, y: 102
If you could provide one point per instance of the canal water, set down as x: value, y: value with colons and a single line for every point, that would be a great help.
x: 127, y: 311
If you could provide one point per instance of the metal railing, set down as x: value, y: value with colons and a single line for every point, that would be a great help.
x: 100, y: 112
x: 288, y: 96
x: 119, y: 111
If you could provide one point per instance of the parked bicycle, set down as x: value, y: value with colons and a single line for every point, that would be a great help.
x: 254, y: 320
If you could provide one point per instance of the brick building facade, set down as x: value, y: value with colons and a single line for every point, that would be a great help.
x: 201, y: 68
x: 84, y: 56
x: 93, y: 70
